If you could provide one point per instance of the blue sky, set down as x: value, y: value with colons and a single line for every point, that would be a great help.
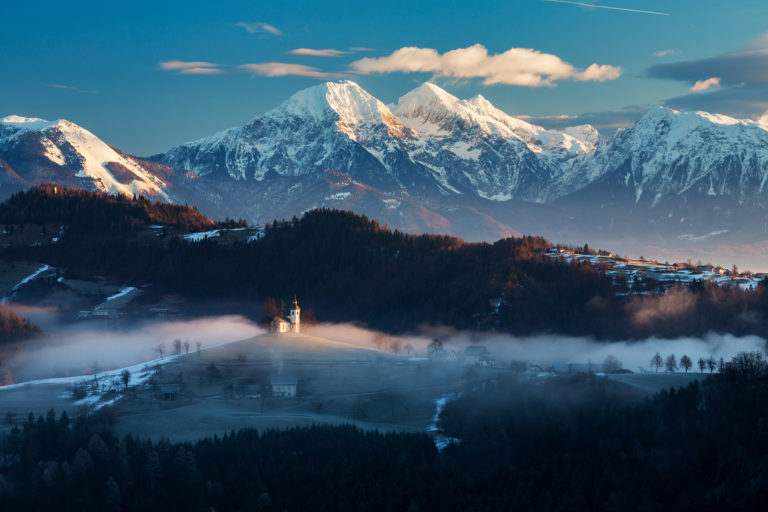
x: 101, y: 65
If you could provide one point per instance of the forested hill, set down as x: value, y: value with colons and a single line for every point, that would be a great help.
x: 15, y: 328
x: 347, y: 268
x: 85, y: 211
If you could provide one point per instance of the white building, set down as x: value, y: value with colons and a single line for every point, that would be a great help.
x: 290, y: 324
x: 284, y: 386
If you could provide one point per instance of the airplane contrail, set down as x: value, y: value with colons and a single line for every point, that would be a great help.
x: 607, y: 7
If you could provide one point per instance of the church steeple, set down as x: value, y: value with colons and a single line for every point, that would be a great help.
x: 295, y: 315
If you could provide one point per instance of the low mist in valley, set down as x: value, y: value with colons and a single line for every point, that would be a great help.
x: 548, y: 349
x: 88, y: 347
x: 83, y: 348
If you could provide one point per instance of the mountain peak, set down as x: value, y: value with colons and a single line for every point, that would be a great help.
x: 481, y: 103
x: 426, y: 97
x: 346, y: 100
x: 18, y: 124
x: 317, y: 100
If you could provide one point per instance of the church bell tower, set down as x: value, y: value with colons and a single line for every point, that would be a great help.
x: 295, y: 316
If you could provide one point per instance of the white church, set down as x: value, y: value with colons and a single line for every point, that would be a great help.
x: 290, y: 324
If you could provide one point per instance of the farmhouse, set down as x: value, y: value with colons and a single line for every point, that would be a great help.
x: 474, y: 353
x: 290, y: 324
x: 284, y: 386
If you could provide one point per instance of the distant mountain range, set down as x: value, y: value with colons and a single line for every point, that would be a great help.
x: 675, y: 183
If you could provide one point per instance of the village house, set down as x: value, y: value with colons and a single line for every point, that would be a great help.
x: 474, y: 353
x: 290, y: 324
x: 487, y: 361
x: 284, y: 387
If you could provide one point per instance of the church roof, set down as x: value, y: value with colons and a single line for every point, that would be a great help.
x: 280, y: 320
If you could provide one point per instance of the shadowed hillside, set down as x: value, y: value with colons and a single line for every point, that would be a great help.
x: 345, y: 267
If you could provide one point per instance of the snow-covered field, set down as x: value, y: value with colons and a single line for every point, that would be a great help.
x: 24, y: 281
x: 197, y: 237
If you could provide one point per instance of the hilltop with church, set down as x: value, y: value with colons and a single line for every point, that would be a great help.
x: 291, y: 323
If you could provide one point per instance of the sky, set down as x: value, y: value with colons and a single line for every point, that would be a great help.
x: 145, y: 76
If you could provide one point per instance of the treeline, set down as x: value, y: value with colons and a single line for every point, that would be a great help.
x: 563, y: 444
x: 56, y: 464
x: 587, y: 444
x: 95, y: 212
x: 15, y: 328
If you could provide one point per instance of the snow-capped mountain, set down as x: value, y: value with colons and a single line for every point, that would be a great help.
x: 336, y: 126
x: 668, y: 153
x: 432, y: 143
x: 471, y: 146
x: 34, y: 151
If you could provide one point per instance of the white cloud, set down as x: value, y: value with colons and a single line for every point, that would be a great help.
x: 763, y: 118
x: 709, y: 83
x: 191, y: 67
x: 201, y: 71
x: 259, y: 27
x: 516, y: 66
x: 665, y: 53
x: 273, y: 69
x: 310, y: 52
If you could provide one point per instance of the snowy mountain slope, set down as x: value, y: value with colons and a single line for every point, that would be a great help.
x: 335, y: 126
x: 432, y: 144
x: 36, y: 151
x: 478, y: 148
x: 669, y: 154
x: 430, y: 110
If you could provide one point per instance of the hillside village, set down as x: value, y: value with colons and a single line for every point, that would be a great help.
x: 645, y: 276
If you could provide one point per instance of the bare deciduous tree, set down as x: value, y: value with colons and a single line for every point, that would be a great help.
x: 686, y: 363
x: 125, y: 377
x: 670, y: 363
x: 657, y: 361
